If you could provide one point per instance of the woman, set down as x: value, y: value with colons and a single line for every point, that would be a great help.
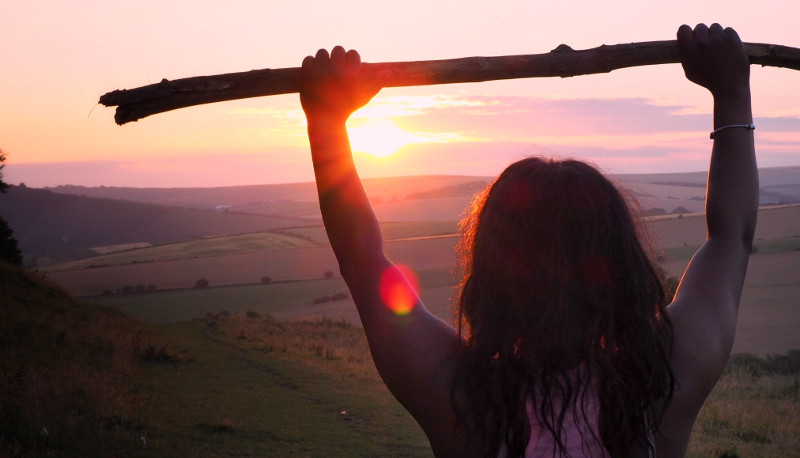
x: 565, y: 345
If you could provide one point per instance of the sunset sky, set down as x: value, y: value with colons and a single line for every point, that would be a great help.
x: 57, y: 58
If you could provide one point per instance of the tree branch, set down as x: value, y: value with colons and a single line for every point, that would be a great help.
x: 135, y: 104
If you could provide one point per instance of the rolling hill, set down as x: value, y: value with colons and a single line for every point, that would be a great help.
x: 63, y: 227
x: 66, y: 222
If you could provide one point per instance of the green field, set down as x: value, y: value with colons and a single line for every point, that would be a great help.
x: 287, y: 298
x: 185, y: 304
x: 274, y: 240
x: 245, y: 368
x: 203, y: 248
x: 390, y: 231
x: 322, y: 373
x: 310, y: 391
x: 246, y: 384
x: 768, y: 313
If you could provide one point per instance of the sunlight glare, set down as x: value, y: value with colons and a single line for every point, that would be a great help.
x: 379, y: 137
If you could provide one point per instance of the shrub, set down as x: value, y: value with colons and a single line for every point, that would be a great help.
x: 201, y: 283
x: 783, y: 364
x: 774, y: 364
x: 9, y: 249
x: 266, y: 280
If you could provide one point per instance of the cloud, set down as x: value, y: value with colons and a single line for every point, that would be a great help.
x: 282, y: 165
x: 464, y: 135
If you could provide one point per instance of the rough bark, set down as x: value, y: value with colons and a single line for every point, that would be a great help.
x: 135, y: 104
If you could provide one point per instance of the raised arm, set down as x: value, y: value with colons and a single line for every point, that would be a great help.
x: 705, y: 308
x: 411, y: 348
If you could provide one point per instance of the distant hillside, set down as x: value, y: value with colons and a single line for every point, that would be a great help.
x: 264, y: 195
x: 777, y: 184
x: 64, y: 227
x: 768, y: 176
x: 208, y: 198
x: 62, y: 223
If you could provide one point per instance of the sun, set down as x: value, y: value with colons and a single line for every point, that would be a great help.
x: 379, y: 137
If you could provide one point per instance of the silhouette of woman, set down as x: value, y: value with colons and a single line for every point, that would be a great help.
x: 564, y: 343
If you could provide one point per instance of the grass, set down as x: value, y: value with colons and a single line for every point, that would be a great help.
x: 390, y: 231
x: 276, y: 240
x: 750, y: 415
x: 774, y: 246
x: 245, y: 384
x: 186, y: 304
x: 760, y: 247
x: 82, y: 380
x: 243, y: 396
x: 292, y: 377
x: 215, y: 246
x: 68, y: 372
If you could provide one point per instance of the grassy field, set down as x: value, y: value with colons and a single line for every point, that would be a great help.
x: 749, y: 416
x: 287, y: 299
x: 299, y: 263
x: 768, y: 316
x: 203, y: 248
x: 77, y: 380
x: 302, y: 393
x: 390, y: 230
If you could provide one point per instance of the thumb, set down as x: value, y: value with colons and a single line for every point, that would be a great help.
x: 377, y: 81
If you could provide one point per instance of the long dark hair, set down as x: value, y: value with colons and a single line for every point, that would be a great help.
x: 555, y: 278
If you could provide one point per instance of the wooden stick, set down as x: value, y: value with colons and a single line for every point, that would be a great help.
x: 135, y: 104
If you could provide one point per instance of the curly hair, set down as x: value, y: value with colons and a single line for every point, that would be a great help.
x: 555, y: 282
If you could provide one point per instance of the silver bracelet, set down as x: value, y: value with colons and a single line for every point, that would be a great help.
x: 746, y: 126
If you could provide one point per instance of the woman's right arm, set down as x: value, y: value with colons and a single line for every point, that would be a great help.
x: 705, y: 308
x: 411, y: 347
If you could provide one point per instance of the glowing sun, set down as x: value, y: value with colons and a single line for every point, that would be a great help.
x: 379, y: 137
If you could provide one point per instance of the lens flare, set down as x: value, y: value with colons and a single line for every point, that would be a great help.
x: 399, y: 289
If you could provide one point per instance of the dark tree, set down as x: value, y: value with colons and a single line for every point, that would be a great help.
x: 201, y: 283
x: 3, y: 184
x: 9, y: 250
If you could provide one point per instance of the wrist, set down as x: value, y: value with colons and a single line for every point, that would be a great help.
x: 326, y: 121
x: 735, y: 94
x: 324, y: 130
x: 733, y: 108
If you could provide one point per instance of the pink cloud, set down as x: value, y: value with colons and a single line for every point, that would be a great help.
x: 633, y: 135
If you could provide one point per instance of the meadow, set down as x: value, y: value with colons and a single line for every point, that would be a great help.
x: 269, y: 359
x: 80, y: 380
x: 297, y: 260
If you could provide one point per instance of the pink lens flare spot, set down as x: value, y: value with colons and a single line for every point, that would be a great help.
x: 399, y: 289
